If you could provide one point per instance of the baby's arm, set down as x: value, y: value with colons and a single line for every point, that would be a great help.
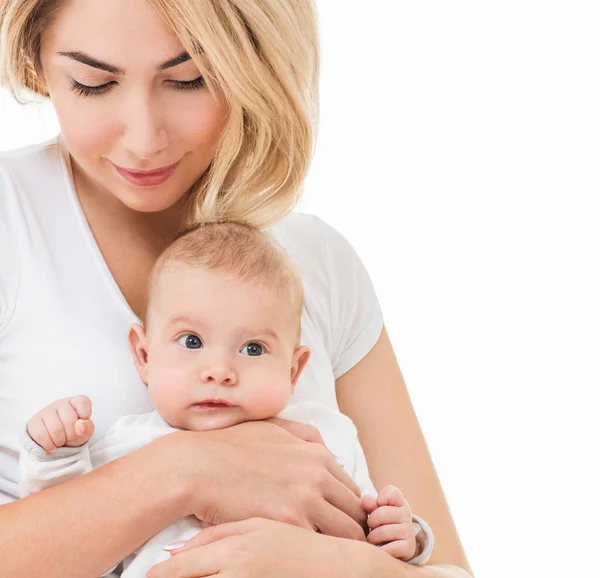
x: 393, y: 527
x: 54, y: 448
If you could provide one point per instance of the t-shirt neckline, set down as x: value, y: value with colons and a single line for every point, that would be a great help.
x: 65, y: 160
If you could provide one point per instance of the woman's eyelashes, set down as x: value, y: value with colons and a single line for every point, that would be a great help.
x: 191, y: 341
x: 85, y: 90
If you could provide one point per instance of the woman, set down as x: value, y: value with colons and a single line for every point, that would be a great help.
x: 174, y: 111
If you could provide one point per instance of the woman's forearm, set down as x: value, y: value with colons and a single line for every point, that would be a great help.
x: 392, y: 568
x: 438, y: 571
x: 379, y: 564
x: 86, y: 526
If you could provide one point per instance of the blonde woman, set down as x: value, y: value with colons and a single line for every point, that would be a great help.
x: 173, y: 112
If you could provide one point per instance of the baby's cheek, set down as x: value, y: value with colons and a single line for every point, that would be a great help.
x: 267, y: 400
x: 167, y: 391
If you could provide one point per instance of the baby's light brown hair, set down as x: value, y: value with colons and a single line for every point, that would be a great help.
x: 237, y: 249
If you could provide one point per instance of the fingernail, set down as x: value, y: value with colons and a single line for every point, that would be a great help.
x: 174, y: 545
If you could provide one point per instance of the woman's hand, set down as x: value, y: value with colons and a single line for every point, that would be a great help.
x: 258, y: 469
x: 257, y: 548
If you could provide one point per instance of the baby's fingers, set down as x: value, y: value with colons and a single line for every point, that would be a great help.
x: 389, y: 515
x: 55, y: 427
x: 391, y: 533
x: 82, y: 405
x: 390, y: 496
x: 84, y: 428
x: 39, y: 434
x: 400, y: 549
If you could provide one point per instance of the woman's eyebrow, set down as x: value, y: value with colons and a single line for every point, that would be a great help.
x: 86, y: 59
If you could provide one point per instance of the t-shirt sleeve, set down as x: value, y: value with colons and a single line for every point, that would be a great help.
x: 356, y: 317
x: 9, y: 269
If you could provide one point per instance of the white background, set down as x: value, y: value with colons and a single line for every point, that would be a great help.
x: 458, y: 151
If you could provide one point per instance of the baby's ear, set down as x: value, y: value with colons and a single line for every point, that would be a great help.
x: 137, y: 344
x: 299, y: 361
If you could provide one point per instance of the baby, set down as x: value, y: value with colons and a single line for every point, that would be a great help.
x: 219, y: 345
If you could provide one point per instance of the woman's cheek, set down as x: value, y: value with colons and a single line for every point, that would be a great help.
x: 87, y: 129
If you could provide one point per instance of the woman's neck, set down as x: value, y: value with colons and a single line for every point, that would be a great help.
x: 156, y: 229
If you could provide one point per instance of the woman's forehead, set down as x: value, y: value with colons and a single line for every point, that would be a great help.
x: 124, y: 33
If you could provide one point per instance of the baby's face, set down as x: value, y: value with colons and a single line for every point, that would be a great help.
x: 220, y: 351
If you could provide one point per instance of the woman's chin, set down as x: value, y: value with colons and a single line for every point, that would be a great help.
x: 149, y: 200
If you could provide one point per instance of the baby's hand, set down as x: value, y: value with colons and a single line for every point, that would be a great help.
x: 65, y: 422
x: 390, y: 520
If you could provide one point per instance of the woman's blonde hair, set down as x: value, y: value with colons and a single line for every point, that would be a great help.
x: 263, y: 55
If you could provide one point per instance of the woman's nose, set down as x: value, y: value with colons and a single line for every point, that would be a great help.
x: 145, y: 135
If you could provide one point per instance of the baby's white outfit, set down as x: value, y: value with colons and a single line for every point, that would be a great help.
x: 40, y: 469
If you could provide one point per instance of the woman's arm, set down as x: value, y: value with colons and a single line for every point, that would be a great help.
x: 86, y: 526
x: 373, y: 394
x: 256, y: 548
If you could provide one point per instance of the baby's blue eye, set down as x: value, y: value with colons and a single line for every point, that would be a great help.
x: 190, y: 341
x: 253, y: 349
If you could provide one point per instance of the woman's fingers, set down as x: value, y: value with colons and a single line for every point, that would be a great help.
x: 197, y: 562
x: 342, y: 475
x: 310, y: 433
x: 215, y: 533
x: 306, y: 432
x: 334, y: 522
x: 369, y: 503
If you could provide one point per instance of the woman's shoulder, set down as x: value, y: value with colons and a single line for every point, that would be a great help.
x: 338, y: 289
x: 29, y: 164
x: 315, y: 246
x: 306, y: 238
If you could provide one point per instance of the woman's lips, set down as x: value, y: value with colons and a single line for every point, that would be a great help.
x: 147, y: 179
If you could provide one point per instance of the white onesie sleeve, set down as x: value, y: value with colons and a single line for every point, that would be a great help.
x: 39, y: 469
x: 356, y: 317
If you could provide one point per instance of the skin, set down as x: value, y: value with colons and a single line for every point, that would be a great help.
x: 145, y: 123
x: 214, y: 336
x: 238, y: 345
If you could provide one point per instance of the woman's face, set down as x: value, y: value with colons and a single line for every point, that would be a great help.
x: 146, y: 109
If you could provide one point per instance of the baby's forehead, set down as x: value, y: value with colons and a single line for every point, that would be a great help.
x: 275, y: 304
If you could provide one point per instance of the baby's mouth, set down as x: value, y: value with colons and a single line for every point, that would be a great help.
x: 213, y: 404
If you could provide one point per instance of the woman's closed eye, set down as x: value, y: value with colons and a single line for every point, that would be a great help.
x: 85, y: 90
x: 190, y: 341
x: 253, y: 349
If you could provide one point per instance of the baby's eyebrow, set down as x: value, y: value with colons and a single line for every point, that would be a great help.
x: 94, y: 63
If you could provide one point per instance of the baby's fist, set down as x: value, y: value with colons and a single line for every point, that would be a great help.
x: 65, y: 422
x: 390, y: 521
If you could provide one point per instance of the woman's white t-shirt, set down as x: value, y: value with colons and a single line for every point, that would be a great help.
x: 64, y: 321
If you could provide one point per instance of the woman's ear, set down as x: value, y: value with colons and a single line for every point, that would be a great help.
x: 299, y: 361
x: 137, y: 344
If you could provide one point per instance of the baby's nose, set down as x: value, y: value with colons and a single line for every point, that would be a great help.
x: 220, y: 374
